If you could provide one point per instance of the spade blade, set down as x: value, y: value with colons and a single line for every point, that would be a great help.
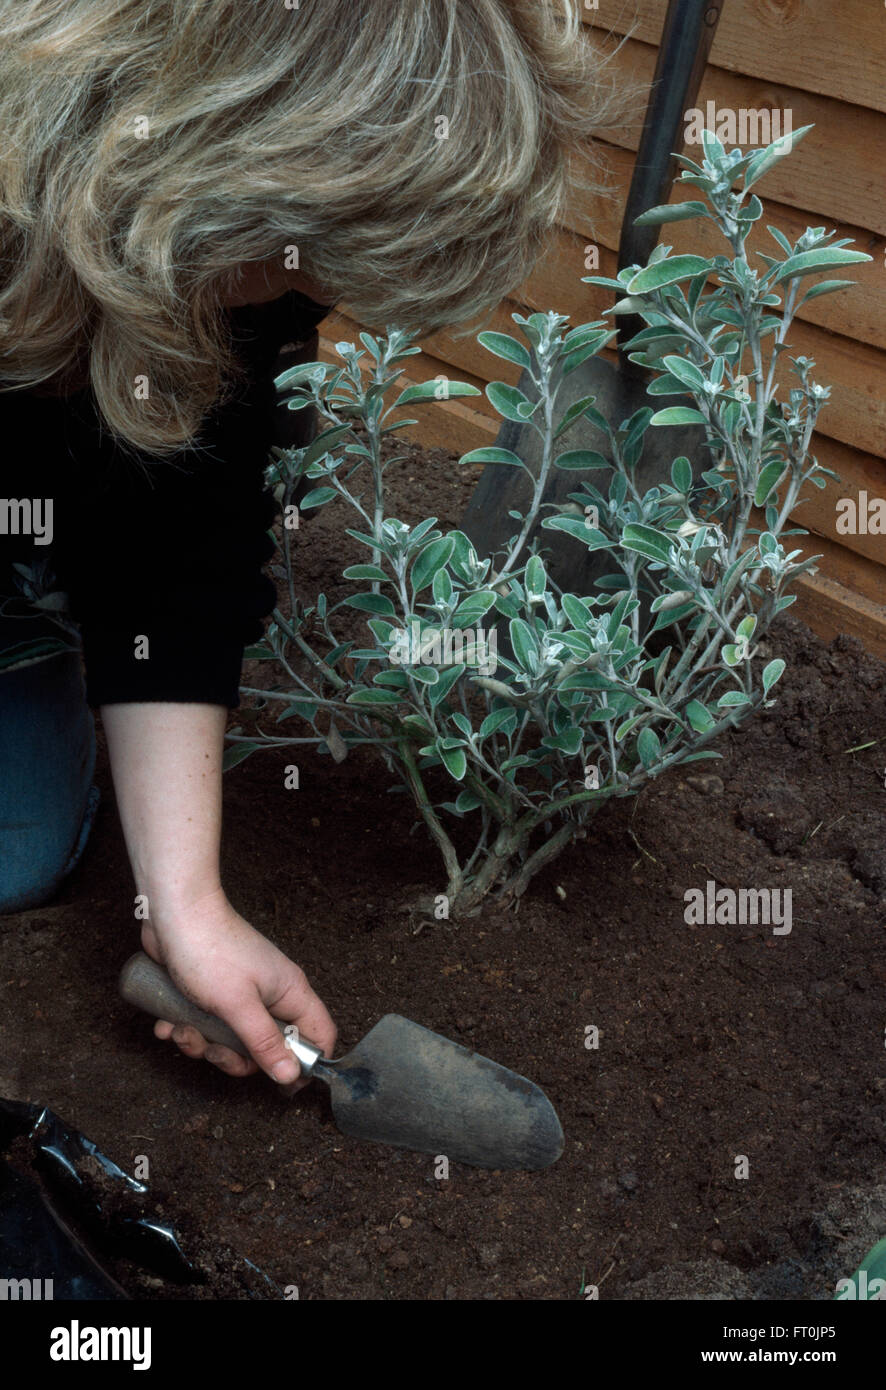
x: 406, y: 1086
x: 401, y: 1085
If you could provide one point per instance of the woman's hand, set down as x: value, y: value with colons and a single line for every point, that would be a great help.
x: 166, y: 759
x: 223, y: 964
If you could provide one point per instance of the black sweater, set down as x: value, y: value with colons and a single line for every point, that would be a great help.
x: 173, y: 551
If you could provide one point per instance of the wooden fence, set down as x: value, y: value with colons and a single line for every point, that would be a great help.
x: 825, y: 62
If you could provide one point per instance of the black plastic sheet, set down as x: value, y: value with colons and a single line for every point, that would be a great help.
x: 60, y: 1226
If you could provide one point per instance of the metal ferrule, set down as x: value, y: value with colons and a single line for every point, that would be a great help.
x: 305, y: 1053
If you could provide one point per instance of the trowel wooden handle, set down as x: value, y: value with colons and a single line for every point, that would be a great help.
x: 146, y: 984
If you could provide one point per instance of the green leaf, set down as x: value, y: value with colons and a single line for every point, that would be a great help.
x: 535, y: 578
x: 753, y: 211
x: 370, y: 344
x: 577, y: 409
x: 504, y: 346
x: 623, y: 730
x: 235, y: 753
x: 763, y: 162
x: 299, y: 374
x: 578, y: 643
x: 258, y: 653
x: 825, y: 287
x: 673, y: 615
x: 809, y: 261
x: 644, y: 540
x: 461, y: 555
x: 685, y: 371
x: 373, y: 542
x: 380, y: 629
x: 468, y: 800
x: 577, y: 459
x: 396, y: 680
x: 442, y: 588
x: 666, y: 385
x: 649, y: 747
x: 497, y: 720
x: 714, y: 151
x: 569, y: 742
x: 681, y: 474
x: 492, y: 455
x: 573, y: 526
x: 772, y: 673
x: 317, y: 497
x: 733, y: 698
x: 448, y: 678
x: 427, y: 391
x: 767, y: 480
x: 427, y: 675
x: 580, y: 354
x: 523, y: 643
x: 605, y: 281
x: 431, y: 559
x: 667, y: 272
x: 322, y: 443
x: 507, y: 400
x: 475, y: 606
x: 303, y: 709
x: 365, y: 572
x: 454, y: 761
x: 781, y: 239
x: 699, y: 716
x: 373, y: 697
x: 678, y: 415
x: 372, y: 603
x: 577, y: 612
x: 670, y: 212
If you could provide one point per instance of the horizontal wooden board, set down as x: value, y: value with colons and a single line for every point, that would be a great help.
x: 859, y: 473
x: 834, y: 47
x: 835, y: 168
x: 855, y: 572
x: 830, y: 609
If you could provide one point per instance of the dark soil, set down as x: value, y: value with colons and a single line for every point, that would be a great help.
x: 715, y: 1042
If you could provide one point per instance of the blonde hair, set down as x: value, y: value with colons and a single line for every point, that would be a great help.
x: 153, y: 146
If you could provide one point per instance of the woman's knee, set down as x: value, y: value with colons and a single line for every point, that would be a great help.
x: 47, y: 759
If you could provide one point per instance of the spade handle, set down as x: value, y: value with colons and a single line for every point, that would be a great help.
x: 146, y: 984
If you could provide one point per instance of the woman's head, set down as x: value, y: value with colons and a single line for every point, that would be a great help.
x: 410, y: 155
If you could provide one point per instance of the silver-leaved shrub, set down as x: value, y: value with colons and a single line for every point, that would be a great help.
x: 509, y: 709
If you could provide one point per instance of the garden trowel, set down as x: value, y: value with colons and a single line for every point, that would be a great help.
x: 618, y: 389
x: 400, y: 1085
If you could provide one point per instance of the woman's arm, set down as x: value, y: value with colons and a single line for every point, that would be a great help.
x: 166, y: 763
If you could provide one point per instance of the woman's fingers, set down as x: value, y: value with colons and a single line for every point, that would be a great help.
x: 193, y: 1044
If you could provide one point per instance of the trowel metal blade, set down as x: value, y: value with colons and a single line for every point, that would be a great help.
x: 406, y: 1086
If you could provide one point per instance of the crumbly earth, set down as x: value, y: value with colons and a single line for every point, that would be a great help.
x: 715, y: 1042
